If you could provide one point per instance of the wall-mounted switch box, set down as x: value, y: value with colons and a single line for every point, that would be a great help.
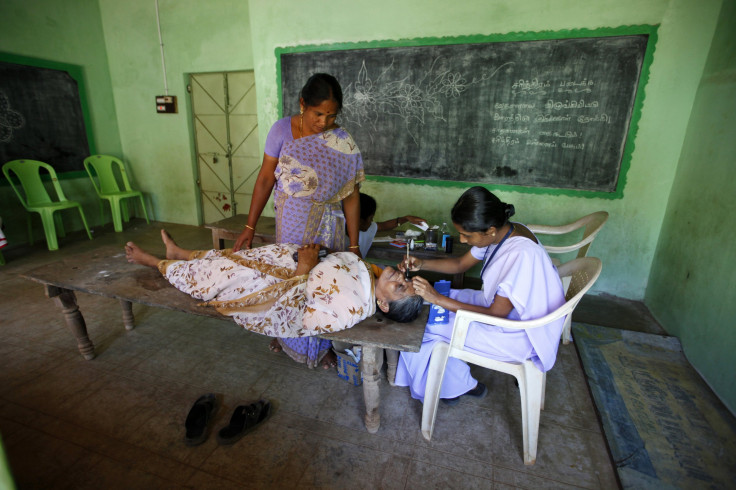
x: 166, y: 104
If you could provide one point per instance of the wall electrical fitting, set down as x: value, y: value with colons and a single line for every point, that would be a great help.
x: 166, y: 104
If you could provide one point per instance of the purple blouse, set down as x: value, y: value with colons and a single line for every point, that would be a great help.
x: 279, y: 133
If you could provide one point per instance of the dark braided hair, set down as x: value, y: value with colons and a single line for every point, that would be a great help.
x: 478, y: 209
x: 321, y: 87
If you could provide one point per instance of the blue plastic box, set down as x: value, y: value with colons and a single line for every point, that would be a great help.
x: 437, y: 314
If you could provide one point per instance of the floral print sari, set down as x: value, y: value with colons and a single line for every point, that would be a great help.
x: 256, y: 287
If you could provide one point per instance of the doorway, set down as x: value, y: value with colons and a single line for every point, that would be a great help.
x: 226, y: 141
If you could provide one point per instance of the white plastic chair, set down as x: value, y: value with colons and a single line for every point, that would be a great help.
x: 583, y: 273
x: 592, y: 224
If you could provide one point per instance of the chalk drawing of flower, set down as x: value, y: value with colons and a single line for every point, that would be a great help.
x: 9, y: 119
x: 453, y: 84
x: 369, y: 99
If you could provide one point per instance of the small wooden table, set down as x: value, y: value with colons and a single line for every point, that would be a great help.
x: 231, y: 228
x: 105, y: 272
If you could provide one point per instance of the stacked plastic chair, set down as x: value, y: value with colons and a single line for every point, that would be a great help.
x: 25, y: 179
x: 108, y: 187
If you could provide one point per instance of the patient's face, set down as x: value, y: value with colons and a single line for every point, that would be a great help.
x: 392, y: 286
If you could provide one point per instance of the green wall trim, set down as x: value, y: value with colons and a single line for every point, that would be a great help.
x: 650, y: 30
x: 77, y: 73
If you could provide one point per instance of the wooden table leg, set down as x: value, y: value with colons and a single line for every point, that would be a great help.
x: 67, y: 301
x: 128, y: 319
x: 392, y: 360
x: 371, y: 365
x: 217, y: 244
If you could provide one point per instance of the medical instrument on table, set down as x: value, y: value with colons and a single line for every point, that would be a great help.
x: 406, y: 269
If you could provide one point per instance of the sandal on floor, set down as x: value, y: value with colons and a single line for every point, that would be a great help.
x: 199, y: 419
x: 244, y: 420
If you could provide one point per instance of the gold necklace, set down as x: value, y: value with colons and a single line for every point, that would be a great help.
x: 301, y: 121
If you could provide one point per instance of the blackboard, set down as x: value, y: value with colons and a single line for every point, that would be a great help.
x: 549, y: 113
x: 41, y: 117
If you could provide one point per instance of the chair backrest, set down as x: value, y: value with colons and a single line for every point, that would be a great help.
x: 28, y: 174
x: 104, y: 168
x: 592, y: 224
x: 583, y: 273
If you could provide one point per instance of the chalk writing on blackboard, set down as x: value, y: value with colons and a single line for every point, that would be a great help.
x: 550, y: 113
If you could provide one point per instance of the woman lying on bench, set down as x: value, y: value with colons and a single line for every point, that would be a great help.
x: 267, y: 292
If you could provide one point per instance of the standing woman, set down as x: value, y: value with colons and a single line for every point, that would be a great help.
x: 313, y: 167
x: 519, y: 282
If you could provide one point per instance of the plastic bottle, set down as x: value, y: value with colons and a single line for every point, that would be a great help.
x: 445, y: 233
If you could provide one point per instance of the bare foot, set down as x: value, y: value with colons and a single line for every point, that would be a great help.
x: 137, y: 255
x: 274, y: 346
x: 173, y: 251
x: 329, y: 361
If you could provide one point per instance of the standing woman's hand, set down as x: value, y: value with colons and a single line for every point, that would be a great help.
x: 308, y: 257
x: 245, y: 238
x: 261, y: 192
x: 351, y: 209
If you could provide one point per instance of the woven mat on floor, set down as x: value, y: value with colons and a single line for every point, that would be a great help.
x: 664, y: 426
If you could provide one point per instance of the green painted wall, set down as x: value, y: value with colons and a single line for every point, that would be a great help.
x: 627, y: 243
x: 61, y: 32
x: 198, y: 37
x: 693, y: 279
x: 117, y: 45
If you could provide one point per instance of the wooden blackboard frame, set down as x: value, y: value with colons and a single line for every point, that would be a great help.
x: 649, y: 30
x: 76, y: 72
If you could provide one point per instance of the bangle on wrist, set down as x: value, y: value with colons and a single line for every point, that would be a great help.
x: 250, y: 227
x: 354, y: 246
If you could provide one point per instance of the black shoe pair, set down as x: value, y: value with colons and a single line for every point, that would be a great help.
x: 479, y: 391
x: 244, y: 420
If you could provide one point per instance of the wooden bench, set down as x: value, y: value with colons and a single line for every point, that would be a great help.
x: 230, y: 228
x: 105, y: 272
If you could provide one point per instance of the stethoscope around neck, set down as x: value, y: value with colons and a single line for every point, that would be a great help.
x: 495, y: 249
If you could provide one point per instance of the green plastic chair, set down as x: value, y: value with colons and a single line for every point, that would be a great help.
x: 36, y: 199
x: 107, y: 187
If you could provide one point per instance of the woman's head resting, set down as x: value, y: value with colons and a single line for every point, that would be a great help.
x: 396, y: 297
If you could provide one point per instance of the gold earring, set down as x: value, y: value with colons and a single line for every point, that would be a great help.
x: 301, y: 111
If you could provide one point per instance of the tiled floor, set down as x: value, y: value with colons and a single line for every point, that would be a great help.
x: 117, y: 421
